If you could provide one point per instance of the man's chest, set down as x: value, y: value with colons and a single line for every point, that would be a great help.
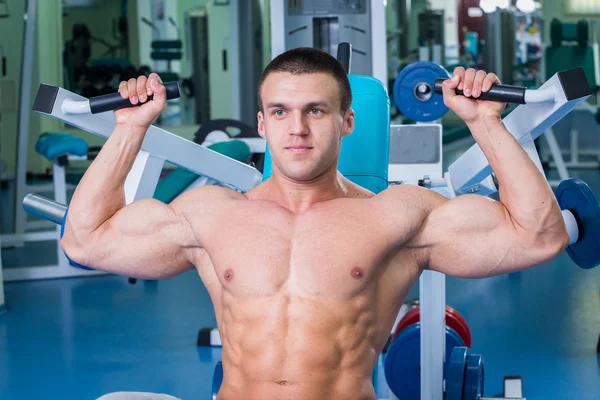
x: 335, y: 253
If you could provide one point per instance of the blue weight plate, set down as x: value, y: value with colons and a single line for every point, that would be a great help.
x: 217, y: 380
x: 403, y: 361
x: 576, y: 195
x: 473, y: 389
x: 455, y: 377
x: 420, y: 107
x: 453, y: 339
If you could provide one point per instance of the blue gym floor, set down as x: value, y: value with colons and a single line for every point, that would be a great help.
x: 80, y: 338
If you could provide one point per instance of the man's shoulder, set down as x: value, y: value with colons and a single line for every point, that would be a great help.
x: 358, y: 192
x: 411, y: 195
x: 209, y: 193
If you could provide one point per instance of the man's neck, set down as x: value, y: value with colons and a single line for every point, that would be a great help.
x: 301, y: 196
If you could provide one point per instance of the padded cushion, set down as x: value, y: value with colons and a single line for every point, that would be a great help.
x: 55, y: 144
x: 364, y: 155
x: 175, y: 183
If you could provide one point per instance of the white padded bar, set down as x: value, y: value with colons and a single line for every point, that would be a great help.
x: 530, y: 120
x: 165, y: 145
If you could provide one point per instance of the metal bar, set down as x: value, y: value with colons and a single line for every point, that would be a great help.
x: 42, y: 187
x: 24, y: 114
x: 378, y: 41
x: 40, y: 224
x: 44, y: 208
x: 574, y: 147
x: 578, y: 165
x: 432, y: 297
x: 158, y: 142
x: 278, y: 34
x: 144, y: 175
x: 20, y: 238
x: 46, y: 272
x: 235, y: 58
x: 556, y: 155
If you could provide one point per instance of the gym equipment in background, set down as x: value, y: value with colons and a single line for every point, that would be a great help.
x: 325, y: 25
x: 570, y: 47
x: 159, y: 146
x: 469, y: 174
x: 417, y: 94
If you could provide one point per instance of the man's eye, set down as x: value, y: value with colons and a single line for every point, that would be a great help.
x: 315, y: 111
x: 278, y: 113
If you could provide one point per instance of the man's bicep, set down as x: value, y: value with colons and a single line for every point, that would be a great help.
x: 469, y: 236
x: 145, y: 239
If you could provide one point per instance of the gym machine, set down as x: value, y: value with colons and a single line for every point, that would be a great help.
x: 325, y: 25
x: 23, y: 229
x: 4, y: 13
x: 570, y: 46
x: 471, y: 173
x: 418, y: 90
x: 159, y: 146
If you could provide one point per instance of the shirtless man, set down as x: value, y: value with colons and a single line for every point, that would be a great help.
x: 307, y: 296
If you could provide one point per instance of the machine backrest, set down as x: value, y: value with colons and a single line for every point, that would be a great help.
x: 365, y: 152
x: 569, y: 49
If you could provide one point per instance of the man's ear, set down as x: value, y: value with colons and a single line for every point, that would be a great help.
x: 348, y: 122
x: 261, y: 124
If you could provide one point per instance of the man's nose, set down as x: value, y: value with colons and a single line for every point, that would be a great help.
x: 298, y: 124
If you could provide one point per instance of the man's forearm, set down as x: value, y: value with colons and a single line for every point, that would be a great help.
x: 524, y: 190
x: 100, y: 194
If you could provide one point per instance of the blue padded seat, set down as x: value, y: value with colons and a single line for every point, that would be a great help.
x: 52, y: 145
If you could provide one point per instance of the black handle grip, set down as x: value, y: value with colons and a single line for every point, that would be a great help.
x: 3, y: 66
x: 344, y: 55
x: 500, y: 93
x: 114, y: 101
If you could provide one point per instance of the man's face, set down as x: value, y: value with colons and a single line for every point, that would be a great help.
x: 303, y: 123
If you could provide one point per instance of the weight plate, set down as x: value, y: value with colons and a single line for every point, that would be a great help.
x: 411, y: 317
x: 575, y: 195
x: 414, y: 93
x: 402, y: 366
x: 473, y: 389
x: 217, y: 380
x: 454, y: 320
x: 455, y: 377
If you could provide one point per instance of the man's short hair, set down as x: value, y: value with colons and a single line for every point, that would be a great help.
x: 308, y: 60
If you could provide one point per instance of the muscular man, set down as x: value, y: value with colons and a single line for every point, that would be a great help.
x: 306, y: 298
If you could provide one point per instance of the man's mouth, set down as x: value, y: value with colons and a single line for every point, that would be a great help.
x: 298, y: 149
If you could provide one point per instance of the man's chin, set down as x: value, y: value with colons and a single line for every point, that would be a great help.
x: 303, y: 176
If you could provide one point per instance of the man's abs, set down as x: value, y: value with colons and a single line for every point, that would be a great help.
x: 298, y: 348
x: 304, y: 304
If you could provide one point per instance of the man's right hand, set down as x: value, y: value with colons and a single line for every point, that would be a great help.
x: 137, y: 91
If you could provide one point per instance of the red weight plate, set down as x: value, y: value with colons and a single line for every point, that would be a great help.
x: 409, y: 318
x: 456, y: 321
